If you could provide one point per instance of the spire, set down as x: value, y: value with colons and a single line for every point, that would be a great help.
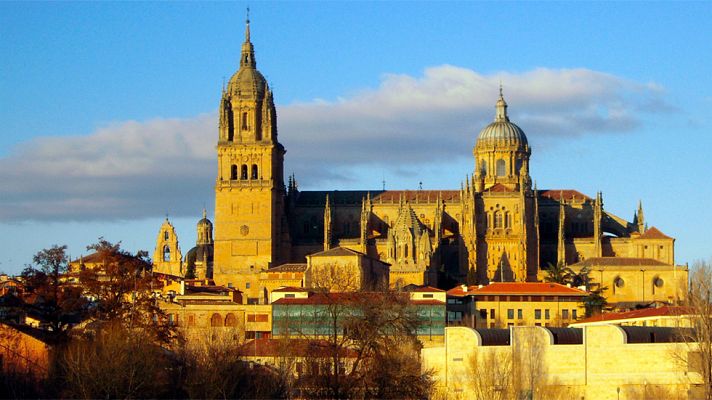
x: 247, y: 27
x: 247, y: 58
x: 501, y: 107
x: 205, y: 213
x: 641, y: 218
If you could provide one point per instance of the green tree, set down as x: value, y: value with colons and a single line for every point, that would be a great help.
x: 121, y: 286
x: 60, y: 302
x: 559, y: 273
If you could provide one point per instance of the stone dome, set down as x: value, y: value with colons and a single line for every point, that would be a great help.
x: 502, y: 130
x: 205, y: 222
x: 247, y: 80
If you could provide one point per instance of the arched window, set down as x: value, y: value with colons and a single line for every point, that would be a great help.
x: 244, y: 121
x: 657, y: 283
x: 501, y: 168
x: 483, y: 167
x: 230, y: 320
x: 216, y: 320
x: 618, y: 283
x: 233, y: 172
x: 165, y: 235
x: 254, y: 171
x: 405, y: 251
x: 243, y: 172
x: 507, y: 220
x: 497, y: 219
x: 166, y: 253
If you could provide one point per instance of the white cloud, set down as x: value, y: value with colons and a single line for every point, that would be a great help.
x: 137, y: 169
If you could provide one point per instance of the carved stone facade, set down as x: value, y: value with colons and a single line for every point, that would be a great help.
x: 497, y: 227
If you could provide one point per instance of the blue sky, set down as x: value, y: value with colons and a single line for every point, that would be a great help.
x: 107, y: 110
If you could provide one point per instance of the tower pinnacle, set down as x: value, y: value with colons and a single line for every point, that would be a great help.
x: 247, y: 58
x: 501, y: 115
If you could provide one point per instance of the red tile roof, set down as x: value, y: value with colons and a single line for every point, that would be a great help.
x: 413, y: 195
x: 518, y: 288
x: 566, y: 194
x: 654, y: 233
x: 290, y: 289
x: 498, y: 187
x: 289, y: 268
x: 426, y: 289
x: 642, y: 313
x: 337, y: 251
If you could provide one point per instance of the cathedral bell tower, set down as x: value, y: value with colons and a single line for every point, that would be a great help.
x: 249, y: 189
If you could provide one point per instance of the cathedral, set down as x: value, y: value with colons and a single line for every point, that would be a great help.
x: 498, y: 226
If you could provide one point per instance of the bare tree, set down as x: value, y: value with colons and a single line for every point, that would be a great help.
x: 113, y: 362
x: 491, y: 375
x: 334, y: 278
x: 699, y: 338
x: 370, y: 348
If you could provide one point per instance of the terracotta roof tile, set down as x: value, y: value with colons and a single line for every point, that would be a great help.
x: 355, y: 197
x: 290, y: 289
x: 426, y: 289
x: 567, y: 194
x: 337, y: 251
x: 518, y: 288
x: 498, y: 187
x: 654, y: 233
x: 289, y: 268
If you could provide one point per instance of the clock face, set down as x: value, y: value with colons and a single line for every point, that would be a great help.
x: 244, y: 230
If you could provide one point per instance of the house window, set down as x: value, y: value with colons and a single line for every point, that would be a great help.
x: 573, y: 314
x: 565, y: 314
x: 546, y: 314
x: 428, y: 296
x: 247, y: 285
x: 289, y: 295
x: 519, y: 314
x: 537, y: 314
x: 492, y: 313
x: 510, y: 313
x: 215, y: 320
